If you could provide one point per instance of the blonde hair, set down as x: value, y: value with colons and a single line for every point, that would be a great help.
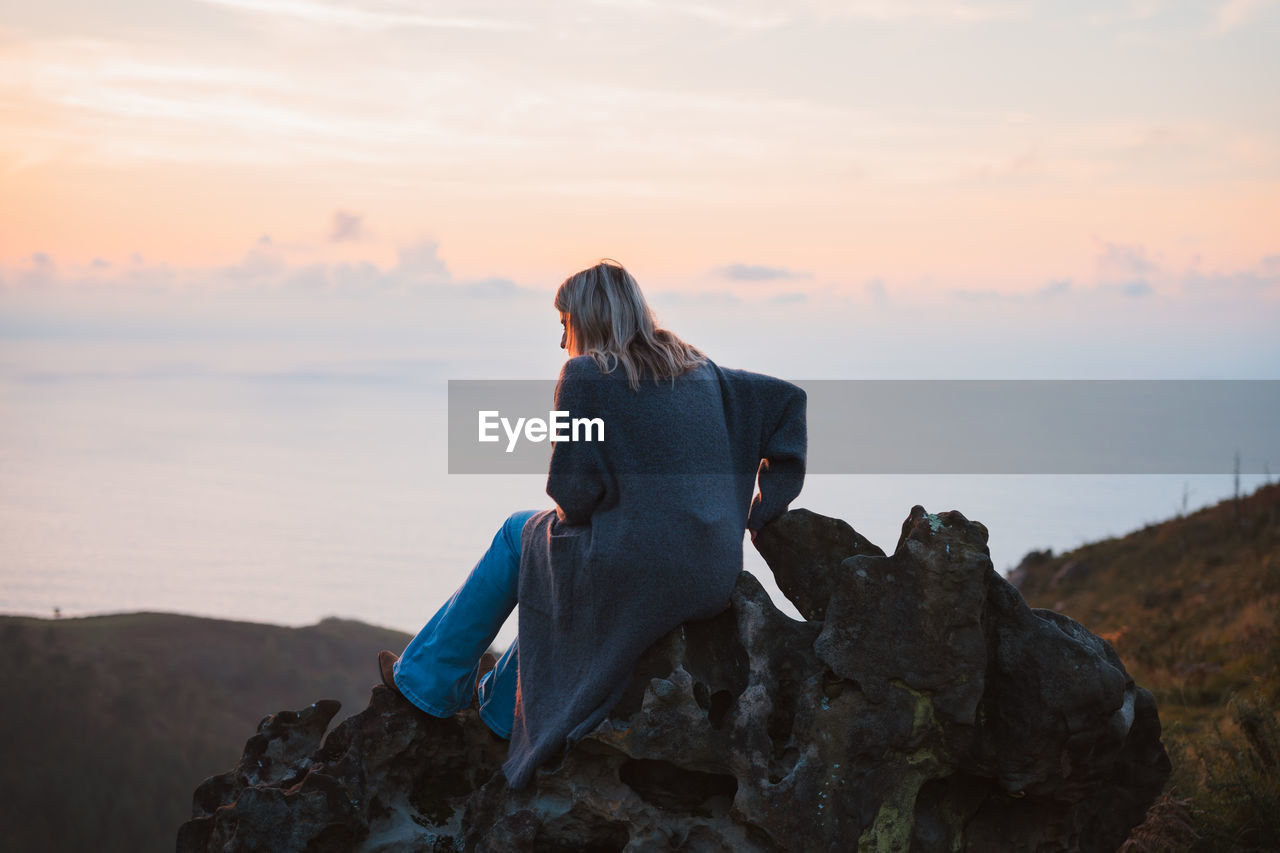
x: 610, y: 321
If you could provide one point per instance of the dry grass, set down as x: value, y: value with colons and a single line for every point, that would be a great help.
x: 1169, y: 827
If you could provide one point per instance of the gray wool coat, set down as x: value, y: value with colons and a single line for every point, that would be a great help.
x: 646, y: 533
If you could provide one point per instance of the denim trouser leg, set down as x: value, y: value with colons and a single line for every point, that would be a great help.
x: 497, y: 693
x: 437, y: 670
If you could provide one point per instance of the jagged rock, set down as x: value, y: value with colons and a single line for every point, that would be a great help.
x: 805, y: 552
x: 929, y: 710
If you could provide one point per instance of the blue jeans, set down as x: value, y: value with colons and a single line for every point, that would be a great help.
x: 437, y: 670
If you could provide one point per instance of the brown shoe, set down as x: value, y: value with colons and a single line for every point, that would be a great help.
x: 386, y: 663
x: 488, y: 661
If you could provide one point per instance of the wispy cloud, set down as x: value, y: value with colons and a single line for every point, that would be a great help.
x: 696, y: 298
x: 876, y: 292
x: 421, y: 262
x: 1247, y: 284
x: 1252, y: 290
x: 764, y: 16
x: 118, y: 102
x: 940, y: 11
x: 1233, y: 13
x: 1132, y: 289
x: 1121, y: 260
x: 264, y: 262
x: 991, y: 295
x: 757, y: 272
x: 1058, y: 291
x: 268, y: 273
x: 1129, y: 12
x: 729, y: 16
x: 346, y: 227
x: 279, y: 309
x: 362, y: 16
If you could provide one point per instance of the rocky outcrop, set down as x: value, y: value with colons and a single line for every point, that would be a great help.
x: 923, y: 707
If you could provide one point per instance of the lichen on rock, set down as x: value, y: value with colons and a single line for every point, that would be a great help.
x: 922, y: 707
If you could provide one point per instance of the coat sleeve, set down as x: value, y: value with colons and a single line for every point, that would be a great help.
x: 577, y: 478
x: 781, y: 472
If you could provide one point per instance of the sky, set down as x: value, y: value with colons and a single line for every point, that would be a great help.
x: 864, y: 149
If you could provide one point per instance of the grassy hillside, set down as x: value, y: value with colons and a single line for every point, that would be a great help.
x: 110, y: 722
x: 1192, y: 606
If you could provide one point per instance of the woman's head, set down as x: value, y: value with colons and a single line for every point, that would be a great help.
x: 609, y: 320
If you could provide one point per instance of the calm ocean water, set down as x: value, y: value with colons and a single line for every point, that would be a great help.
x: 287, y: 497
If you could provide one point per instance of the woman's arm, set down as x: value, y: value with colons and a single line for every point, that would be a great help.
x: 577, y: 477
x: 781, y: 472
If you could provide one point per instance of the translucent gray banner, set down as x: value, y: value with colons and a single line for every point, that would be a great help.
x: 940, y: 426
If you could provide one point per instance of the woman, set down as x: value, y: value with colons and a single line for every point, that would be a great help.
x: 646, y: 532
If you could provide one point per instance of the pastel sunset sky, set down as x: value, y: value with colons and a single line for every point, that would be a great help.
x: 1027, y: 166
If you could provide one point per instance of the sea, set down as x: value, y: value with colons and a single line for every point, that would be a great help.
x: 288, y: 497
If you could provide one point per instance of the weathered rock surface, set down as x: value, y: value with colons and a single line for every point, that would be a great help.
x: 924, y: 707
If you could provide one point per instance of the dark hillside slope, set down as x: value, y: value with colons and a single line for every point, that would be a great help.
x: 109, y: 722
x: 1192, y: 605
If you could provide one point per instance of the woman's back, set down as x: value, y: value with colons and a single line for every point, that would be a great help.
x: 647, y: 532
